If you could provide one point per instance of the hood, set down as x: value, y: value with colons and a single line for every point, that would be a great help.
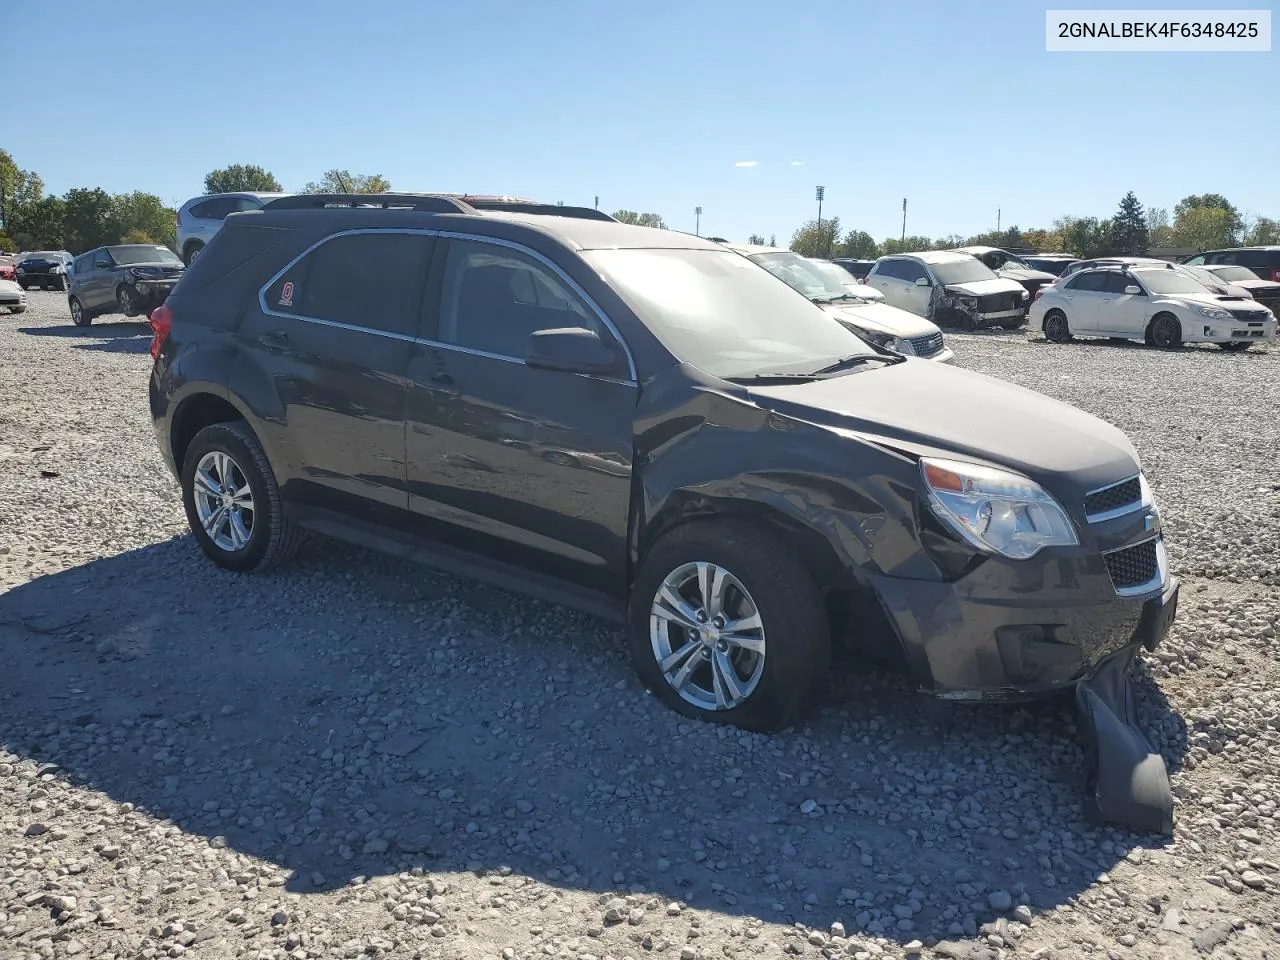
x: 865, y: 291
x: 1024, y: 273
x: 8, y: 286
x: 968, y: 416
x: 882, y: 318
x: 154, y: 265
x: 1259, y: 287
x: 1208, y: 298
x: 981, y: 288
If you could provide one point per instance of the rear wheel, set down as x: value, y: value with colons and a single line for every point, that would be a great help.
x: 79, y: 315
x: 193, y: 250
x: 1056, y: 328
x: 1165, y: 332
x: 232, y: 500
x: 727, y: 625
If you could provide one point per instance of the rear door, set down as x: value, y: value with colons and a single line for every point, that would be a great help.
x: 887, y: 277
x: 530, y: 467
x: 99, y: 288
x: 334, y: 338
x: 1083, y: 294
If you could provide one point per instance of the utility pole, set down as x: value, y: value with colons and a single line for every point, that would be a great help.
x: 697, y: 221
x: 597, y: 201
x: 904, y: 221
x: 4, y: 219
x: 819, y: 192
x: 997, y: 219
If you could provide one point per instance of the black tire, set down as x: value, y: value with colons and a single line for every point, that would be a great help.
x: 60, y: 284
x: 273, y: 538
x: 1056, y: 327
x: 23, y: 285
x: 79, y: 315
x: 192, y: 251
x: 1165, y: 332
x: 1236, y: 346
x: 20, y: 308
x: 128, y: 301
x: 790, y: 605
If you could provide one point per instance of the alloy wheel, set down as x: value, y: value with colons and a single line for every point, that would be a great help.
x: 707, y: 636
x: 223, y: 501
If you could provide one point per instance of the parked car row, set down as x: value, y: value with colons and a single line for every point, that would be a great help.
x: 46, y: 269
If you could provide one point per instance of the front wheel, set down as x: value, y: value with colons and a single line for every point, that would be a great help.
x: 232, y: 501
x: 727, y: 625
x: 193, y: 251
x: 1166, y: 332
x: 127, y: 299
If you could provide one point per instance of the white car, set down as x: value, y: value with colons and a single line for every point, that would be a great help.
x: 1162, y: 305
x: 951, y: 289
x: 847, y: 280
x: 877, y: 323
x: 12, y: 296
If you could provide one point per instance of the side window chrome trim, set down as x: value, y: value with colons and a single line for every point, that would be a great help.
x: 356, y: 328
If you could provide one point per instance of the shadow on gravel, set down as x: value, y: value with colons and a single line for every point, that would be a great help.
x: 351, y: 716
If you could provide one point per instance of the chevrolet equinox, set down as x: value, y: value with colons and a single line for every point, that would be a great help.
x: 646, y: 425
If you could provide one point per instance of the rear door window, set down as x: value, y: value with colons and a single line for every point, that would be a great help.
x: 214, y: 209
x: 372, y: 281
x: 1117, y: 282
x: 911, y: 271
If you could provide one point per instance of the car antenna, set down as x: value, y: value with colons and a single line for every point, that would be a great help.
x: 342, y: 182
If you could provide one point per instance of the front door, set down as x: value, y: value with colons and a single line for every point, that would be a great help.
x: 335, y: 340
x: 1121, y: 313
x: 99, y: 291
x: 530, y: 467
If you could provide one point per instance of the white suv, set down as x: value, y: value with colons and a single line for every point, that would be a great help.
x: 1160, y: 304
x: 951, y: 289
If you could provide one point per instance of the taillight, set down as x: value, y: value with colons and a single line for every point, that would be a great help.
x: 161, y: 323
x: 1039, y: 291
x: 1275, y: 274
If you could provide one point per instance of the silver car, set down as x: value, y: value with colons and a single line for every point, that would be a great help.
x: 201, y: 217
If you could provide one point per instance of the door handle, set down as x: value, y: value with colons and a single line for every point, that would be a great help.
x: 443, y: 383
x: 276, y: 338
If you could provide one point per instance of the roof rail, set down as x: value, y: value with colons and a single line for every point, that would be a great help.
x: 424, y: 202
x: 506, y: 205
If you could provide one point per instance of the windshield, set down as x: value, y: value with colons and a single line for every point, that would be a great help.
x: 1056, y: 267
x: 838, y: 275
x: 143, y: 254
x: 721, y: 313
x: 1231, y: 274
x: 1170, y: 282
x: 967, y: 270
x: 802, y: 275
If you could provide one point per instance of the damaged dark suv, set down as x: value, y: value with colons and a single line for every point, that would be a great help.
x: 648, y: 426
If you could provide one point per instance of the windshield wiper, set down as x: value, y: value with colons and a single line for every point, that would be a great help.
x: 857, y: 359
x: 774, y: 378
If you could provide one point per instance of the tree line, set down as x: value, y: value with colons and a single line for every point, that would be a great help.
x: 87, y: 217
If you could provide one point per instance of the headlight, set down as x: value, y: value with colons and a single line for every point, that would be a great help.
x: 1214, y: 313
x: 903, y: 346
x: 879, y: 339
x: 995, y: 510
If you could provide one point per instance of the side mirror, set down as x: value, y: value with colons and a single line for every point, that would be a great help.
x: 571, y: 350
x: 923, y: 282
x: 1133, y: 290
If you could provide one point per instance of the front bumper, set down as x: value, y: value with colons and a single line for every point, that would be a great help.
x: 152, y: 293
x: 1229, y: 331
x: 1014, y: 629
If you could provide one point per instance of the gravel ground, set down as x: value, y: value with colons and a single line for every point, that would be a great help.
x: 349, y: 757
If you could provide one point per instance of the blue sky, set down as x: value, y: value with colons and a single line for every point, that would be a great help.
x: 649, y: 105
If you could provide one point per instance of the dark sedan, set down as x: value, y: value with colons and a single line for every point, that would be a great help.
x: 46, y: 269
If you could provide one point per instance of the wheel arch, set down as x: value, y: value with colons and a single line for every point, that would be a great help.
x: 193, y: 414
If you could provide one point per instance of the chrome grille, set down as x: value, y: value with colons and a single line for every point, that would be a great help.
x: 1133, y: 566
x: 926, y: 346
x: 1248, y: 313
x: 1114, y: 497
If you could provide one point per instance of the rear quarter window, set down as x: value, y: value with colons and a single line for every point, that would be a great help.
x: 236, y: 252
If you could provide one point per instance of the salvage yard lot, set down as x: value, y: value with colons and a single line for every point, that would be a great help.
x: 353, y: 756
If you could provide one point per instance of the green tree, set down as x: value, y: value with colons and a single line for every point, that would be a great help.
x: 756, y: 240
x: 1203, y: 228
x: 1159, y: 229
x: 344, y: 181
x: 859, y: 245
x: 41, y: 225
x: 19, y: 189
x: 912, y: 244
x: 817, y: 238
x: 239, y: 177
x: 1211, y: 201
x: 1129, y: 233
x: 773, y: 240
x: 90, y: 219
x: 640, y: 219
x: 144, y: 213
x: 1085, y: 237
x: 1265, y: 232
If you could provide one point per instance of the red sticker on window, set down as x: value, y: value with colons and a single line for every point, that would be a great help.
x: 286, y: 294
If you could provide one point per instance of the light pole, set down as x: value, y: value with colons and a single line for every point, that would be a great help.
x: 819, y: 193
x: 904, y: 221
x: 597, y: 201
x: 697, y: 221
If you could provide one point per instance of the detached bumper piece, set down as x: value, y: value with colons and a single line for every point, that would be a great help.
x: 1126, y: 781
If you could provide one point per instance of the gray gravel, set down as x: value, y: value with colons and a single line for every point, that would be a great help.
x: 350, y: 757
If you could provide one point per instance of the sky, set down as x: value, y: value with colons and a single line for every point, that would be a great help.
x: 651, y: 106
